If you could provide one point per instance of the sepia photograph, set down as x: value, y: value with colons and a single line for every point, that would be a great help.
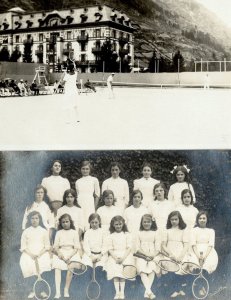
x: 115, y: 149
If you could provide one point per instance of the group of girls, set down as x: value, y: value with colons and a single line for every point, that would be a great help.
x: 79, y: 225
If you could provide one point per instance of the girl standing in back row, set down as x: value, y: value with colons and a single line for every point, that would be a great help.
x: 181, y: 175
x: 88, y: 191
x: 146, y: 184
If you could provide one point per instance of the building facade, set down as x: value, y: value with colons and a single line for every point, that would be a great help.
x: 77, y: 33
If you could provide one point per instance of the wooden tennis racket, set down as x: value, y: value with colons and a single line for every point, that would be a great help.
x: 93, y: 288
x: 200, y: 285
x: 41, y: 287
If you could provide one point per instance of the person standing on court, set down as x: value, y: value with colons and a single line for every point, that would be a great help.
x: 109, y: 85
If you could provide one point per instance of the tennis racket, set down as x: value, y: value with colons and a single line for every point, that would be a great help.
x: 93, y: 288
x: 41, y: 288
x: 143, y: 256
x: 200, y: 286
x: 129, y: 271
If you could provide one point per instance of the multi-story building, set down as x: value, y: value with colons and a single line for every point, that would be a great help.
x: 78, y: 33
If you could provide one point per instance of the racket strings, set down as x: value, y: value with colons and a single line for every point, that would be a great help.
x: 129, y: 271
x: 93, y: 290
x: 200, y: 288
x: 191, y: 268
x: 168, y: 266
x: 42, y: 290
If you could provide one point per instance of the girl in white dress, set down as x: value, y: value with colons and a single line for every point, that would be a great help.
x: 181, y: 174
x: 160, y: 207
x: 108, y: 210
x: 146, y: 184
x: 34, y: 244
x: 188, y: 211
x: 203, y: 241
x: 118, y: 185
x: 71, y: 207
x: 148, y: 244
x: 40, y: 206
x: 133, y: 214
x: 119, y: 245
x: 93, y: 243
x: 88, y: 191
x: 175, y: 246
x: 55, y: 185
x: 66, y: 249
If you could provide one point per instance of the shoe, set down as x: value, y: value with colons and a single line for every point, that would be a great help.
x: 181, y: 293
x: 174, y: 295
x: 121, y: 296
x: 44, y: 295
x: 66, y: 294
x: 57, y: 296
x: 146, y: 295
x: 117, y: 296
x: 152, y: 296
x: 31, y: 295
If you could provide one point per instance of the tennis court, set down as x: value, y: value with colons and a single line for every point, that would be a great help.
x: 135, y: 118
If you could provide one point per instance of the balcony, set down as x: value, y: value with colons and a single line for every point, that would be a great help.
x: 123, y: 40
x: 67, y: 51
x: 85, y: 63
x: 82, y: 38
x: 39, y: 52
x: 96, y: 50
x: 123, y: 52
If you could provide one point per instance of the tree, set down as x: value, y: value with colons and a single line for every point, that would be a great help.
x: 4, y: 54
x: 178, y: 62
x: 16, y: 54
x: 108, y: 58
x: 153, y: 63
x: 27, y: 55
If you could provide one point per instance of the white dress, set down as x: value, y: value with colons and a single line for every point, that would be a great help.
x: 203, y: 238
x: 93, y: 243
x: 148, y: 242
x: 106, y: 214
x: 120, y: 189
x: 160, y: 211
x: 71, y: 92
x: 175, y: 190
x: 34, y: 239
x: 189, y: 214
x: 44, y: 211
x: 133, y: 216
x: 76, y: 214
x: 86, y: 188
x: 119, y: 242
x: 55, y: 186
x: 145, y: 185
x: 66, y: 241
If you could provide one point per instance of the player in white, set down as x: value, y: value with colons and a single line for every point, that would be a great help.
x: 109, y: 85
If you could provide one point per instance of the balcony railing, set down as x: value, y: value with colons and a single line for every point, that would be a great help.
x: 85, y: 62
x: 67, y: 51
x: 96, y: 50
x: 82, y: 38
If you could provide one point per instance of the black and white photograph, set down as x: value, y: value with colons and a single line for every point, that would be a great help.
x: 115, y: 149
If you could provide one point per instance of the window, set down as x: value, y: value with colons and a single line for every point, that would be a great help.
x: 54, y: 22
x: 69, y: 35
x: 97, y: 33
x: 5, y: 40
x: 83, y: 47
x: 17, y: 40
x: 83, y: 57
x: 82, y: 32
x: 40, y: 37
x: 114, y: 33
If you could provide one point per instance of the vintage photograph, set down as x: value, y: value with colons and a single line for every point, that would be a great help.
x: 115, y: 149
x: 149, y: 223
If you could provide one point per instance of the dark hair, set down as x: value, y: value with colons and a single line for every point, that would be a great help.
x: 115, y: 164
x: 182, y: 224
x: 94, y: 216
x: 71, y: 221
x: 161, y: 184
x: 146, y: 164
x: 185, y: 191
x: 202, y: 212
x: 134, y: 192
x: 117, y: 219
x: 153, y: 226
x: 73, y: 193
x: 59, y: 161
x: 103, y: 196
x: 184, y: 170
x: 30, y: 215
